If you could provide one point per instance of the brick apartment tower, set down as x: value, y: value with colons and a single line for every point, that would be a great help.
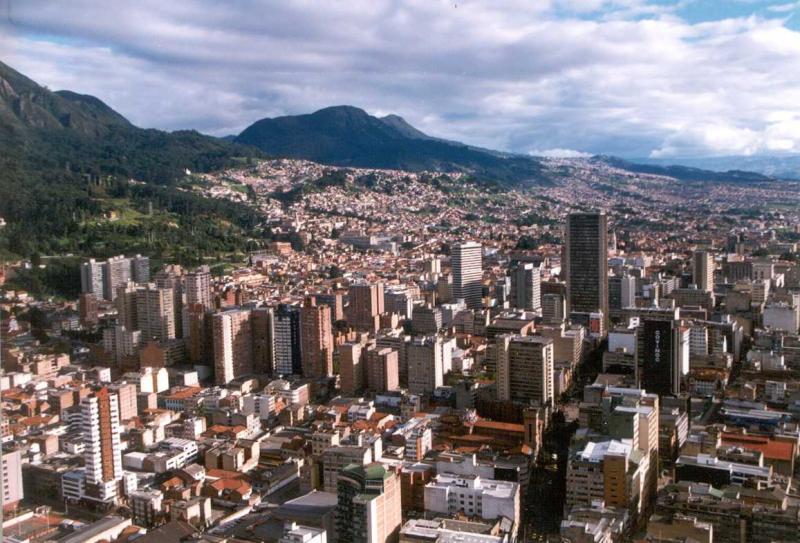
x: 316, y: 339
x: 103, y: 452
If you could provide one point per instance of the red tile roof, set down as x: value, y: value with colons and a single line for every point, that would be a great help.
x: 505, y: 426
x: 771, y: 449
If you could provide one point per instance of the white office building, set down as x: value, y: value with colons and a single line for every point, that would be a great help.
x: 473, y: 496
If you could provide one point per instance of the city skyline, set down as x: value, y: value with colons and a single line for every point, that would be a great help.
x: 338, y: 327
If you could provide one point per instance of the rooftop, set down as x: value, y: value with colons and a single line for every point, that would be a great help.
x: 596, y: 451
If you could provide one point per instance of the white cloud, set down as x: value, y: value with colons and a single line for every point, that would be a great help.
x: 784, y: 8
x: 510, y: 74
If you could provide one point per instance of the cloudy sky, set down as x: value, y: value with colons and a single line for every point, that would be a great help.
x: 635, y: 78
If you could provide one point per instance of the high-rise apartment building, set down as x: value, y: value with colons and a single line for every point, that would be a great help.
x: 103, y: 451
x: 382, y: 369
x: 287, y: 359
x: 525, y: 369
x: 198, y: 333
x: 366, y: 305
x: 198, y: 287
x: 586, y: 263
x: 526, y: 286
x: 126, y: 305
x: 425, y: 364
x: 466, y: 261
x: 703, y: 270
x: 334, y: 300
x: 399, y: 342
x: 233, y: 345
x: 399, y: 300
x: 116, y: 272
x: 155, y: 312
x: 88, y: 309
x: 171, y: 277
x: 263, y: 340
x: 369, y: 504
x: 123, y: 344
x: 140, y: 269
x: 351, y: 367
x: 316, y: 339
x: 103, y: 278
x: 92, y: 277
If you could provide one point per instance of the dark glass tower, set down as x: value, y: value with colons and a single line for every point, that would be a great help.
x: 586, y: 267
x: 659, y: 353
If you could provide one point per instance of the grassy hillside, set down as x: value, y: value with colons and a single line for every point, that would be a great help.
x: 64, y: 155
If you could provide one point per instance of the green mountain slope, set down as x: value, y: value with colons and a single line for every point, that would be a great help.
x: 63, y: 155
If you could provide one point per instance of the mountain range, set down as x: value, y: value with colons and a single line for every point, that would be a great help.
x: 348, y: 136
x: 40, y: 130
x: 64, y: 155
x: 47, y: 129
x: 785, y: 166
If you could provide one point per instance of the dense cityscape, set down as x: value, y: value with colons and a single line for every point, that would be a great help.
x: 423, y: 359
x: 400, y: 271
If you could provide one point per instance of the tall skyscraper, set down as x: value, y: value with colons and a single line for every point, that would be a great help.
x: 287, y: 340
x: 703, y: 270
x: 366, y: 305
x: 101, y: 437
x: 662, y: 351
x: 467, y: 264
x: 369, y: 504
x: 263, y: 340
x: 526, y: 290
x: 155, y: 312
x: 586, y: 266
x: 316, y: 339
x: 525, y: 369
x: 198, y: 287
x: 233, y: 345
